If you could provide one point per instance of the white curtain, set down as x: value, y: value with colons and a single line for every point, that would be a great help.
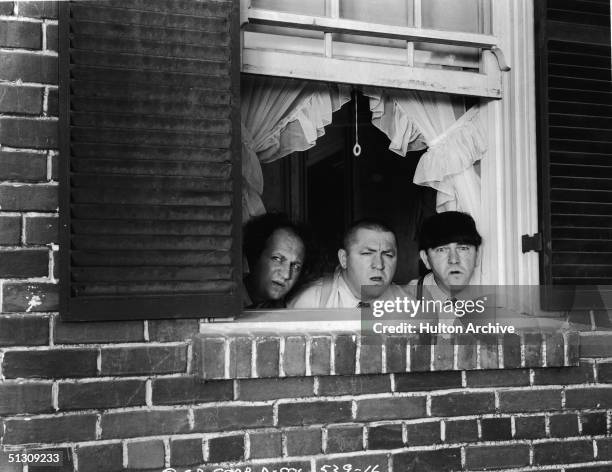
x: 415, y: 120
x: 280, y: 116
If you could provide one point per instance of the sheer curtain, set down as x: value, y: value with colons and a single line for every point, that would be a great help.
x: 280, y: 116
x: 415, y: 120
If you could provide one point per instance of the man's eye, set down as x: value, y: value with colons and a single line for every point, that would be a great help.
x: 297, y: 267
x: 389, y: 254
x: 440, y: 250
x: 464, y: 248
x: 276, y: 258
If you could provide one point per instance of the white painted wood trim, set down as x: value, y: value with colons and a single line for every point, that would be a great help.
x: 509, y: 173
x: 311, y: 67
x: 340, y: 25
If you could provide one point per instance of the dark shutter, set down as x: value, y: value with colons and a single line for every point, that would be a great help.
x: 575, y: 140
x: 150, y: 180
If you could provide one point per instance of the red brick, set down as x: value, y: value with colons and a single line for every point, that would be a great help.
x: 604, y: 372
x: 98, y: 332
x: 64, y: 452
x: 370, y: 356
x: 226, y: 449
x: 320, y: 355
x: 52, y: 363
x: 354, y: 384
x: 28, y: 197
x: 28, y: 133
x: 16, y: 398
x: 306, y: 413
x: 20, y: 100
x: 562, y: 452
x: 227, y: 418
x: 529, y: 427
x: 269, y: 389
x: 593, y: 424
x: 440, y: 460
x: 20, y: 34
x: 209, y: 356
x: 23, y: 166
x: 130, y: 424
x: 388, y: 436
x: 53, y: 110
x: 10, y: 230
x: 420, y: 357
x: 595, y: 397
x: 596, y: 346
x: 487, y: 457
x: 294, y: 359
x: 267, y: 444
x: 24, y: 331
x: 466, y: 354
x: 38, y: 9
x: 555, y: 350
x: 50, y: 430
x: 24, y: 263
x: 100, y: 458
x: 144, y: 360
x: 344, y: 354
x: 424, y: 433
x: 362, y: 462
x: 303, y: 442
x: 525, y: 401
x: 101, y: 394
x: 489, y: 352
x: 498, y: 378
x: 444, y: 352
x: 6, y: 8
x: 52, y: 37
x: 5, y: 465
x: 602, y: 319
x: 54, y: 165
x: 267, y: 357
x: 563, y: 425
x: 459, y: 404
x: 459, y: 431
x: 186, y: 451
x: 512, y: 351
x: 395, y: 347
x: 172, y: 330
x: 344, y: 438
x: 604, y: 449
x: 240, y: 357
x: 390, y: 408
x: 145, y: 454
x: 422, y: 381
x: 496, y: 429
x: 28, y: 67
x: 41, y: 230
x: 181, y: 390
x: 533, y: 350
x: 564, y: 375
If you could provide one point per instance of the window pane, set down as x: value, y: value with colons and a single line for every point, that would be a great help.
x: 470, y: 16
x: 305, y: 7
x: 388, y: 12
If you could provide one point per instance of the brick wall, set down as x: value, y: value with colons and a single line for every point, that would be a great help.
x: 125, y: 395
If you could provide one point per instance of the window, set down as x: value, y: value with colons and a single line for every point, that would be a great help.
x: 151, y: 178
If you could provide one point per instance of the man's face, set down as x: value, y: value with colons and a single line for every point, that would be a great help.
x: 278, y: 266
x: 452, y: 265
x: 370, y: 259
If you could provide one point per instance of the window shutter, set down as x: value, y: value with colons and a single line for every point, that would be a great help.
x: 150, y: 196
x: 575, y: 140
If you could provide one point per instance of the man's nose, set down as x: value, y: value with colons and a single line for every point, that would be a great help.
x: 286, y: 271
x: 378, y: 262
x: 453, y: 256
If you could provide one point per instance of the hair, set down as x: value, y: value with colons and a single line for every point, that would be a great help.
x: 258, y: 230
x: 366, y: 223
x: 448, y: 227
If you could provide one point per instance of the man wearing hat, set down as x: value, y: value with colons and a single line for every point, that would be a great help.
x: 449, y: 246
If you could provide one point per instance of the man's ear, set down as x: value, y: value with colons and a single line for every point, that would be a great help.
x: 424, y: 258
x: 342, y: 258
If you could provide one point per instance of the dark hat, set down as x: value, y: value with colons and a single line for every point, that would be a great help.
x: 448, y: 227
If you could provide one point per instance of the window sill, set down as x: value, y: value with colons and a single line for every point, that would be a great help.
x: 263, y: 344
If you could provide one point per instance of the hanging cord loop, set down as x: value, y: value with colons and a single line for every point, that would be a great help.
x: 356, y: 147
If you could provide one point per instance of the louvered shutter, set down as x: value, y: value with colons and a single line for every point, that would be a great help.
x: 575, y: 140
x: 150, y: 196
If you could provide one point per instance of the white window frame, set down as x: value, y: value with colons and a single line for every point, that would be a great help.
x: 509, y: 173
